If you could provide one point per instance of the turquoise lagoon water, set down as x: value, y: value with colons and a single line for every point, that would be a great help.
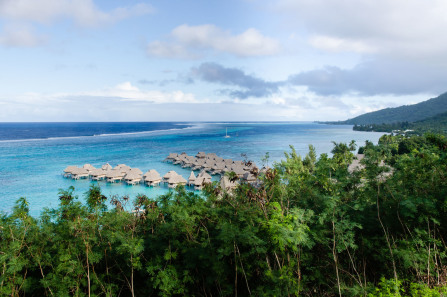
x: 32, y: 167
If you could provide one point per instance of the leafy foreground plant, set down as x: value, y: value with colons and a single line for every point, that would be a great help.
x: 309, y: 228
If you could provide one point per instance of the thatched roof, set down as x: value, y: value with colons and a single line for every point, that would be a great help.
x: 192, y: 177
x: 152, y: 176
x: 98, y: 172
x: 226, y: 169
x: 228, y: 161
x: 200, y: 181
x: 136, y: 170
x: 177, y: 179
x: 211, y: 156
x: 69, y: 169
x: 89, y: 167
x: 122, y: 167
x: 79, y: 171
x: 204, y: 174
x: 189, y: 160
x: 239, y: 170
x: 226, y: 184
x: 169, y: 175
x: 218, y: 159
x: 199, y: 161
x: 201, y: 155
x: 106, y: 167
x: 207, y: 164
x: 218, y: 166
x: 132, y: 176
x: 115, y: 173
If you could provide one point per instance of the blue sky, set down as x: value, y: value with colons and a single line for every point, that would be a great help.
x: 288, y: 60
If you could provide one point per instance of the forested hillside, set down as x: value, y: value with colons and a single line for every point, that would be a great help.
x: 310, y: 228
x: 436, y: 124
x: 406, y: 113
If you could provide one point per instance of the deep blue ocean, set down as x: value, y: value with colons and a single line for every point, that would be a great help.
x: 33, y: 155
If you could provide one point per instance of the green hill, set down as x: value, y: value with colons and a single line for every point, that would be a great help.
x: 435, y: 124
x: 406, y: 113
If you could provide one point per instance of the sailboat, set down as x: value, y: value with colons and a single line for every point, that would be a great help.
x: 226, y: 133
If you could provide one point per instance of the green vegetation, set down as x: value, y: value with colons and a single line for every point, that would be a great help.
x: 436, y: 124
x: 401, y: 114
x: 311, y: 229
x: 406, y: 113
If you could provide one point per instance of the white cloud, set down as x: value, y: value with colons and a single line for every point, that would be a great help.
x: 20, y: 36
x: 126, y: 102
x: 334, y: 44
x: 166, y: 50
x: 190, y: 41
x: 83, y: 12
x: 400, y: 43
x: 123, y: 92
x: 398, y: 27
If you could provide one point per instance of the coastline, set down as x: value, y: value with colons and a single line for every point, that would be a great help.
x: 32, y: 168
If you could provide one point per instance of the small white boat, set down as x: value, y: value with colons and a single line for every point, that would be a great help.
x: 226, y: 133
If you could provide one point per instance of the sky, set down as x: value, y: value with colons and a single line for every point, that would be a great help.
x: 245, y: 60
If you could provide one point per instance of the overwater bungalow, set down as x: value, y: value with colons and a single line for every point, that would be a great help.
x: 122, y: 167
x: 207, y: 165
x: 202, y: 178
x: 188, y: 161
x: 218, y: 159
x: 197, y: 165
x: 98, y: 174
x: 228, y: 185
x: 191, y: 179
x: 152, y: 177
x: 239, y: 170
x: 68, y: 170
x: 115, y: 175
x: 199, y: 183
x: 205, y: 175
x: 176, y: 180
x: 211, y: 156
x: 135, y: 170
x: 201, y: 155
x: 228, y: 162
x: 89, y: 167
x: 132, y: 178
x: 218, y: 168
x: 78, y: 173
x: 168, y: 175
x: 171, y: 157
x: 106, y: 167
x: 179, y: 159
x: 226, y: 169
